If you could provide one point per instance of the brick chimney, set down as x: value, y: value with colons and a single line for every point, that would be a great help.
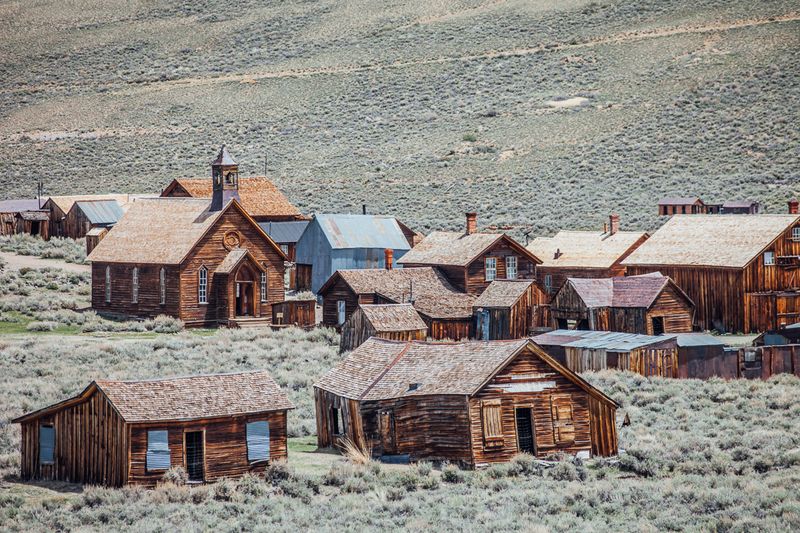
x: 472, y: 223
x: 613, y: 224
x: 388, y: 256
x: 793, y: 206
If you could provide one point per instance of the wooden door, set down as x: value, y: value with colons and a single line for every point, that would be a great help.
x: 388, y: 442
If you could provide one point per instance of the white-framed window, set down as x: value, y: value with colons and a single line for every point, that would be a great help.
x: 340, y: 312
x: 796, y: 233
x: 157, y: 457
x: 490, y: 264
x: 285, y: 249
x: 135, y: 285
x: 202, y: 285
x: 108, y: 284
x: 258, y: 441
x: 47, y: 445
x: 511, y: 267
x: 769, y: 258
x: 162, y: 285
x: 263, y: 286
x: 548, y: 283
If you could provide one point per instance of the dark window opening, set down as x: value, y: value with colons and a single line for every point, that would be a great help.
x: 336, y: 420
x: 658, y: 325
x: 525, y: 440
x: 194, y: 455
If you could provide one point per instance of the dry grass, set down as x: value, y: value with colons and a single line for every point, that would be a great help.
x: 356, y: 454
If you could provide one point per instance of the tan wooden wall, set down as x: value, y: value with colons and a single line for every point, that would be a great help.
x: 358, y: 329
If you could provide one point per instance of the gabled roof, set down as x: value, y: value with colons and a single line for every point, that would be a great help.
x: 393, y: 317
x: 711, y: 240
x: 184, y: 398
x: 432, y: 294
x: 584, y: 249
x: 284, y: 232
x: 613, y: 341
x: 502, y: 293
x: 37, y: 215
x: 233, y: 258
x: 223, y: 157
x: 17, y: 206
x: 100, y: 211
x: 452, y: 248
x: 381, y: 370
x: 65, y: 203
x: 627, y: 291
x: 259, y: 196
x: 685, y: 200
x: 361, y: 231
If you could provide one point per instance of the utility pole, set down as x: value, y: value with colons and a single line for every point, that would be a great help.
x: 265, y: 165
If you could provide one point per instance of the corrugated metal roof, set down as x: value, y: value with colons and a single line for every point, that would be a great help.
x: 101, y: 211
x: 362, y: 231
x: 697, y: 339
x: 284, y: 232
x: 15, y: 206
x: 604, y: 340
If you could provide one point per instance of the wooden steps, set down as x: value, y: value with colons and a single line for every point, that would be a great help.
x: 250, y: 322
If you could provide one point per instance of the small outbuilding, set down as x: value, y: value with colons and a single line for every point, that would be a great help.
x: 24, y: 216
x: 118, y: 433
x: 702, y: 356
x: 399, y: 322
x: 506, y: 310
x: 93, y: 238
x: 681, y: 206
x: 740, y: 207
x: 469, y: 402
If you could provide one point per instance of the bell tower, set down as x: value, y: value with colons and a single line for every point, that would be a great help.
x: 225, y: 180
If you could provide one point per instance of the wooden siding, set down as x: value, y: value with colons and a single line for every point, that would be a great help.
x: 91, y: 444
x: 340, y: 291
x: 677, y: 313
x: 149, y: 304
x: 56, y: 225
x: 225, y: 446
x: 301, y: 313
x: 648, y: 361
x: 12, y: 224
x: 358, y: 329
x: 770, y: 311
x: 558, y: 276
x: 514, y: 322
x: 324, y: 403
x: 449, y: 329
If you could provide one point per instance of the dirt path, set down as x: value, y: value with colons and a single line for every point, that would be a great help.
x: 15, y: 262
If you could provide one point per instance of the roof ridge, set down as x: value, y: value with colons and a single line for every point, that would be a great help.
x: 176, y: 378
x: 385, y: 370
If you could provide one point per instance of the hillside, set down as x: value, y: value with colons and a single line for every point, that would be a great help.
x: 537, y: 114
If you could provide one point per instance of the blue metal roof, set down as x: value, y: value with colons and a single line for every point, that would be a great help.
x: 284, y: 232
x: 101, y: 211
x: 362, y: 231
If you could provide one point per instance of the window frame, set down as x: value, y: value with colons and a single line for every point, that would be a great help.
x: 285, y: 249
x: 486, y: 268
x: 796, y: 234
x: 563, y: 428
x: 162, y: 286
x: 337, y: 422
x: 548, y: 283
x: 135, y: 285
x: 202, y: 285
x: 248, y: 439
x: 147, y: 450
x: 509, y: 260
x: 341, y: 312
x: 263, y: 286
x: 771, y: 255
x: 52, y: 460
x: 108, y: 285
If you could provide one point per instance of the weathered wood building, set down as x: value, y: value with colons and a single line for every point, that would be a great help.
x: 67, y: 221
x: 649, y: 304
x: 735, y: 270
x: 507, y: 310
x: 24, y: 217
x: 740, y: 207
x: 94, y: 214
x: 472, y: 260
x: 398, y: 322
x: 286, y: 234
x: 471, y: 402
x: 131, y: 432
x: 681, y: 206
x: 583, y: 254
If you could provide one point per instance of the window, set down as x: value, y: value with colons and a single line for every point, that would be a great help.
x: 162, y: 285
x: 340, y: 312
x: 491, y: 413
x: 796, y: 233
x: 548, y: 283
x: 491, y: 268
x: 258, y: 441
x: 47, y: 445
x: 563, y: 426
x: 157, y: 450
x: 511, y: 267
x: 336, y: 420
x: 202, y: 285
x: 769, y: 258
x: 135, y: 285
x: 658, y: 325
x: 263, y: 286
x: 285, y: 249
x: 108, y: 284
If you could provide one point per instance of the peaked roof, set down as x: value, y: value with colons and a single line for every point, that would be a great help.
x: 393, y: 317
x: 679, y: 200
x: 503, y: 293
x: 452, y: 248
x: 284, y: 232
x: 223, y: 157
x: 584, y: 249
x: 627, y: 291
x: 711, y: 240
x: 361, y: 231
x: 184, y: 398
x: 16, y: 206
x: 734, y: 204
x: 100, y: 211
x: 258, y: 195
x: 65, y: 203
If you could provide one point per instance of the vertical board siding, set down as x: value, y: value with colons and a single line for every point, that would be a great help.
x: 149, y: 304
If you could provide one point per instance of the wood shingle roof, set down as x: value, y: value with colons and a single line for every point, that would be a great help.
x: 627, y: 291
x: 584, y: 249
x: 259, y: 196
x: 452, y: 248
x: 503, y: 293
x: 393, y: 317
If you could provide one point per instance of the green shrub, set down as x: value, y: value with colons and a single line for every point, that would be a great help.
x: 176, y: 475
x: 452, y: 474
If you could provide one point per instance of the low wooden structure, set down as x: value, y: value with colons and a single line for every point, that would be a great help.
x: 507, y: 310
x: 300, y: 313
x: 740, y: 207
x: 763, y: 362
x: 23, y: 217
x: 131, y: 432
x: 470, y: 402
x: 649, y: 304
x: 399, y: 322
x: 703, y: 356
x: 68, y: 221
x: 93, y: 238
x: 681, y: 206
x: 772, y: 310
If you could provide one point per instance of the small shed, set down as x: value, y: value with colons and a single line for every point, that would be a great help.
x: 131, y: 432
x: 505, y: 310
x: 681, y: 206
x: 23, y: 217
x: 473, y: 403
x: 399, y: 322
x: 87, y: 215
x: 740, y: 207
x: 702, y: 356
x: 93, y: 238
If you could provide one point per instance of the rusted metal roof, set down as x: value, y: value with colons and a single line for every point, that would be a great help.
x: 627, y: 291
x: 362, y: 231
x: 584, y: 249
x: 259, y: 196
x: 101, y: 212
x: 502, y: 293
x: 393, y: 317
x: 451, y: 248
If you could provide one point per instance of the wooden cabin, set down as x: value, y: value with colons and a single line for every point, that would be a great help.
x: 472, y: 260
x: 68, y: 221
x: 262, y: 200
x: 738, y: 271
x: 740, y: 207
x: 117, y: 433
x: 399, y: 322
x: 681, y: 206
x: 473, y: 403
x: 88, y: 215
x: 207, y: 263
x: 581, y: 351
x: 583, y: 254
x: 507, y: 310
x: 703, y: 356
x: 286, y: 234
x: 24, y: 217
x: 649, y: 304
x: 446, y: 312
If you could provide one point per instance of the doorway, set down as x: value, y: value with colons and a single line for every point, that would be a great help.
x: 35, y: 228
x: 387, y: 432
x: 658, y: 325
x: 244, y: 292
x: 195, y: 457
x: 525, y: 441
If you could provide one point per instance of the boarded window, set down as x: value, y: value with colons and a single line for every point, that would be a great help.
x: 135, y: 285
x: 202, y: 285
x: 47, y: 445
x: 491, y: 268
x: 162, y: 285
x: 258, y: 441
x: 563, y: 425
x: 511, y: 267
x: 157, y: 450
x: 492, y: 414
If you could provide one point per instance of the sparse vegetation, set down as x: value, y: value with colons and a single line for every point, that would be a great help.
x: 70, y: 250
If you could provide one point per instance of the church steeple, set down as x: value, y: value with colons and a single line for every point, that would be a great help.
x: 225, y: 180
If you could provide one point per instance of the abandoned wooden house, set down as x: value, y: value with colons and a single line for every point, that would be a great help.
x: 446, y: 312
x: 286, y: 234
x: 471, y: 260
x: 262, y: 200
x: 473, y: 403
x: 681, y: 206
x: 582, y: 350
x: 583, y: 254
x: 118, y: 433
x: 398, y: 322
x: 68, y: 221
x: 649, y: 304
x: 89, y: 215
x: 25, y: 217
x: 739, y: 272
x: 740, y: 207
x: 206, y: 263
x: 338, y: 242
x: 507, y: 310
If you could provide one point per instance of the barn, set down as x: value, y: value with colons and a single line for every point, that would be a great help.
x: 506, y: 310
x: 94, y: 214
x: 473, y: 403
x: 399, y: 322
x: 24, y: 217
x: 118, y: 433
x: 649, y: 304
